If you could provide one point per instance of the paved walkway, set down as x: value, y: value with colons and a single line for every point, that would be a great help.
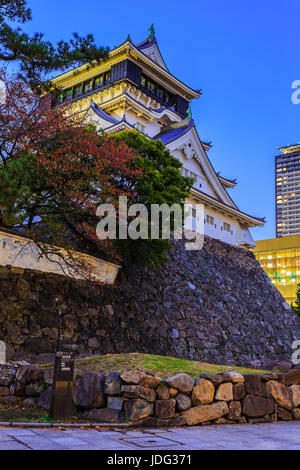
x: 256, y: 436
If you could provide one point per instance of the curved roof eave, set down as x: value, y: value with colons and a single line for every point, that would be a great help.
x: 195, y: 93
x: 227, y: 182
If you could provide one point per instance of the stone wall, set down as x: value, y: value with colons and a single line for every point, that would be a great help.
x: 216, y: 304
x: 141, y: 398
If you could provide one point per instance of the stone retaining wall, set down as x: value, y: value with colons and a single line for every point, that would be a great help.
x: 215, y: 305
x: 143, y: 399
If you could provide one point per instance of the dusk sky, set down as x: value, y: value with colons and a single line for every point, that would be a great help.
x: 243, y: 55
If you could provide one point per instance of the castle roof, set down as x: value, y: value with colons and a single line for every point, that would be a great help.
x: 151, y: 49
x: 146, y: 54
x: 173, y: 133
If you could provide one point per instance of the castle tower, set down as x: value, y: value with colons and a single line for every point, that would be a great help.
x: 134, y: 89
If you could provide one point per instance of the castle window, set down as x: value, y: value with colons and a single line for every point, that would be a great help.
x: 140, y: 127
x: 68, y: 94
x: 151, y: 87
x: 78, y: 90
x: 168, y: 98
x: 88, y: 86
x: 227, y: 227
x: 160, y: 93
x: 157, y: 91
x: 107, y: 78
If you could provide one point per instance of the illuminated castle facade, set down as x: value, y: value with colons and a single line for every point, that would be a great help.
x: 133, y: 89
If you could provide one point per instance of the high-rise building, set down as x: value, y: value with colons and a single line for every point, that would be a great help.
x: 287, y: 191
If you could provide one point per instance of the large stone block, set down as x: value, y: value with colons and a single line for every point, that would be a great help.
x: 48, y: 375
x: 108, y: 415
x: 283, y: 414
x: 225, y: 392
x: 132, y: 376
x: 115, y: 403
x: 112, y: 384
x: 235, y: 410
x: 137, y: 391
x: 238, y: 391
x: 216, y: 379
x: 281, y: 394
x: 233, y: 376
x: 203, y: 392
x: 88, y: 391
x: 154, y: 422
x: 254, y: 406
x: 4, y: 390
x: 183, y: 402
x: 254, y: 385
x: 35, y: 374
x: 296, y: 413
x: 181, y: 382
x: 292, y: 377
x: 162, y: 392
x: 138, y: 409
x: 203, y: 413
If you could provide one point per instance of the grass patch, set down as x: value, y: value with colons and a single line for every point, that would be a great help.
x: 163, y: 366
x: 11, y: 412
x: 16, y: 412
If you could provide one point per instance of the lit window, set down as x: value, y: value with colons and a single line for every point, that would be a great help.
x: 88, y: 86
x: 99, y: 81
x: 151, y: 86
x: 68, y: 94
x: 160, y: 93
x: 107, y: 78
x: 140, y: 127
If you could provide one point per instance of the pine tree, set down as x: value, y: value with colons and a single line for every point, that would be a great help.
x: 36, y: 56
x: 55, y: 170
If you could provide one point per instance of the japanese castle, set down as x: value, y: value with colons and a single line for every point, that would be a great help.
x: 133, y: 89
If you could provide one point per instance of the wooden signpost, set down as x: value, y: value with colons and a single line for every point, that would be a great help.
x: 61, y: 400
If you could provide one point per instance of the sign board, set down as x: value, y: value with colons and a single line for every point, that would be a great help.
x: 61, y: 400
x: 2, y: 353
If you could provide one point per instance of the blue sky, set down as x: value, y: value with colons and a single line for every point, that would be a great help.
x: 243, y: 55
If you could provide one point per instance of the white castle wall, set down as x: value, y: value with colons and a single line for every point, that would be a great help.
x: 18, y: 251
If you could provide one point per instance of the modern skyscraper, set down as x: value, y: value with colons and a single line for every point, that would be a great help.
x: 134, y: 90
x: 287, y: 191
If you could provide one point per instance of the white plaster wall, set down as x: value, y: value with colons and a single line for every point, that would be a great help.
x: 240, y: 234
x: 192, y: 165
x: 19, y: 252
